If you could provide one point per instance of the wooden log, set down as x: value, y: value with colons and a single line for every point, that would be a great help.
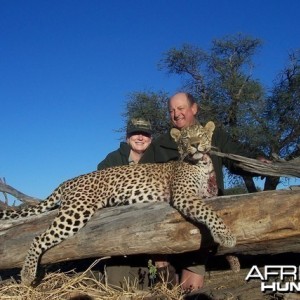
x: 265, y: 222
x: 123, y: 230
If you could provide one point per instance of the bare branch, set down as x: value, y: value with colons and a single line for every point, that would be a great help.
x: 5, y: 188
x: 4, y: 194
x: 279, y: 168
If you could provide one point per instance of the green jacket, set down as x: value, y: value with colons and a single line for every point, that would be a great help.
x: 118, y: 157
x: 164, y: 149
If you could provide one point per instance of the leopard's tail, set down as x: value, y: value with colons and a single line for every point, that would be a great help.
x: 49, y: 203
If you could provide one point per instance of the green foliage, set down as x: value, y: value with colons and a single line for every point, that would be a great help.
x: 189, y: 59
x: 237, y: 96
x: 233, y: 55
x: 152, y: 270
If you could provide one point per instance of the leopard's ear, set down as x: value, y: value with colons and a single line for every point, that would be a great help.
x: 210, y: 126
x: 175, y: 134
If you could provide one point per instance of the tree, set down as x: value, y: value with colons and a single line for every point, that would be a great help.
x: 280, y: 120
x: 237, y: 95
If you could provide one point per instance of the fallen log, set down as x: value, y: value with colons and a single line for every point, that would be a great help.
x: 264, y: 222
x: 123, y: 230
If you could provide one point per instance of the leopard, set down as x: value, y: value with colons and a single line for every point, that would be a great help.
x: 184, y: 149
x: 184, y: 184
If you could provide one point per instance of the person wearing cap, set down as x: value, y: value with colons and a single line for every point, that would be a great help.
x: 120, y: 271
x: 138, y: 139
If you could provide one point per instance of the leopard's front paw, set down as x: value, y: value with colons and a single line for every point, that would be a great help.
x: 234, y: 263
x: 28, y: 276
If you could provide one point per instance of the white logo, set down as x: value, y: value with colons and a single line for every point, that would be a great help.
x: 285, y: 278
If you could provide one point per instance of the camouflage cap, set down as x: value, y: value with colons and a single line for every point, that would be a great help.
x: 139, y: 125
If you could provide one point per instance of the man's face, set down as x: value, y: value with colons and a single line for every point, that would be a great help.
x: 182, y: 114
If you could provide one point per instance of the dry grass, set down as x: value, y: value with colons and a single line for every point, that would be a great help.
x: 83, y: 286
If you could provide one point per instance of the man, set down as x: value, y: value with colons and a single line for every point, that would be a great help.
x: 183, y: 110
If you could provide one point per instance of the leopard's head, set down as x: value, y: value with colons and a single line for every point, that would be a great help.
x: 193, y: 141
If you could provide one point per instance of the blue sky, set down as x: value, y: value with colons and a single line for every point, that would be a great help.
x: 67, y: 67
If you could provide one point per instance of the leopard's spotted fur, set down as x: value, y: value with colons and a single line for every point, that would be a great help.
x: 182, y: 183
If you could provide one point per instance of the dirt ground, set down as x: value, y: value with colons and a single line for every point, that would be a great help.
x: 222, y: 284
